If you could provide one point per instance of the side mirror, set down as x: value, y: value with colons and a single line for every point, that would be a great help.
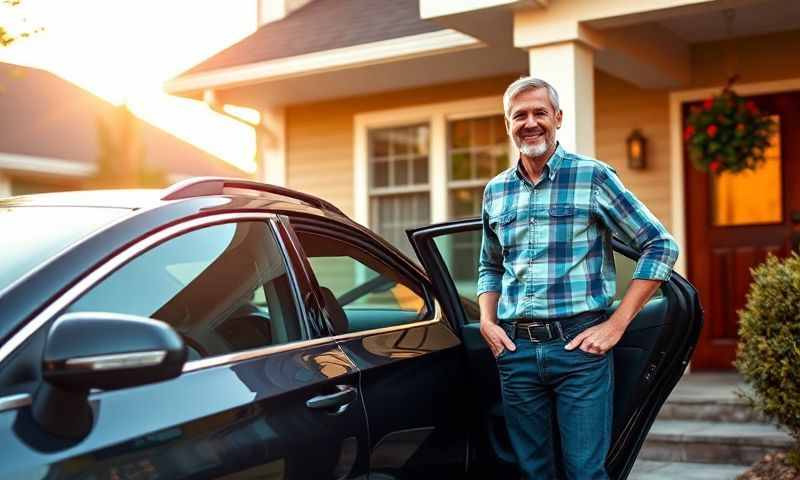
x: 104, y: 351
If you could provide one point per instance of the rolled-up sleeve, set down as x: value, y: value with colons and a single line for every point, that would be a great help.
x: 490, y: 263
x: 631, y: 221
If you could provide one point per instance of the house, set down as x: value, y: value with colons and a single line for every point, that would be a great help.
x: 50, y: 139
x: 392, y: 110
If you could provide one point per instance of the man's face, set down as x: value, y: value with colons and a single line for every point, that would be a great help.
x: 532, y: 122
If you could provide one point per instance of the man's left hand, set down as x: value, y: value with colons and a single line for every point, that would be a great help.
x: 598, y: 339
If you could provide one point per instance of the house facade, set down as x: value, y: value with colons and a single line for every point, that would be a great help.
x: 55, y: 133
x: 392, y: 111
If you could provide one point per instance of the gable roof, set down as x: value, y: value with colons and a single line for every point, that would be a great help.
x: 45, y: 116
x: 323, y: 25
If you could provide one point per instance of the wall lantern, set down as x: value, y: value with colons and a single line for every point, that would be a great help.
x: 637, y: 150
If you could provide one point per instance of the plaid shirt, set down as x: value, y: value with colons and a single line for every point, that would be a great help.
x: 547, y: 247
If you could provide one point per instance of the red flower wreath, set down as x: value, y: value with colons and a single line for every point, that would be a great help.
x: 727, y: 133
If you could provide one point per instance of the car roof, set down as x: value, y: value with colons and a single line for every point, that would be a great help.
x: 190, y: 188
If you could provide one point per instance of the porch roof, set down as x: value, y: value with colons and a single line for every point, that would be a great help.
x: 339, y: 48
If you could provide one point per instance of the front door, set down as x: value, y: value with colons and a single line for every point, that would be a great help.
x: 735, y: 221
x: 648, y: 361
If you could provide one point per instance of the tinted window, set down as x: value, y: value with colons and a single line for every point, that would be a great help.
x: 223, y: 288
x: 35, y: 234
x: 359, y: 290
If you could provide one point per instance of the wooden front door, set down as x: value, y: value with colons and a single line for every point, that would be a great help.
x: 734, y: 221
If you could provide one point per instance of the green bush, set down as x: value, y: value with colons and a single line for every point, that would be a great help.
x: 769, y: 343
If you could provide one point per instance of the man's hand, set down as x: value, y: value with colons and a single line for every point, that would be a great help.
x: 496, y: 338
x: 598, y: 339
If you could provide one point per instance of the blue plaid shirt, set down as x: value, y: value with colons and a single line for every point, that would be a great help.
x: 547, y: 247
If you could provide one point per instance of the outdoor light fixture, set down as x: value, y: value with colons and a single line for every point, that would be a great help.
x: 637, y: 150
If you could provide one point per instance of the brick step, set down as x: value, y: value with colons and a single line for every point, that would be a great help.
x: 652, y: 470
x: 714, y: 410
x: 712, y: 442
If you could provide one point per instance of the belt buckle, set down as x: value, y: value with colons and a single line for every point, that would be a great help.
x: 531, y: 325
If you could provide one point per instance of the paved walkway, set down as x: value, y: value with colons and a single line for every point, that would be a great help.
x: 649, y: 470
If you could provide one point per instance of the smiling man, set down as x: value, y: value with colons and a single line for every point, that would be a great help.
x: 546, y: 280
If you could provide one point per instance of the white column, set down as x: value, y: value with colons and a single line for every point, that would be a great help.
x: 569, y: 67
x: 5, y: 186
x: 273, y: 147
x: 437, y: 172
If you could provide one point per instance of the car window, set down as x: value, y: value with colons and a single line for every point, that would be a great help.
x: 222, y: 288
x: 360, y: 291
x: 460, y: 252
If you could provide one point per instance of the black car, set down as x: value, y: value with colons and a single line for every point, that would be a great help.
x: 229, y: 329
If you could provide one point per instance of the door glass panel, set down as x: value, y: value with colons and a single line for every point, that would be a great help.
x: 222, y: 288
x: 751, y: 196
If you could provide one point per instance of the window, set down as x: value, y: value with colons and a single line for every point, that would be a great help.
x: 477, y: 150
x: 361, y: 292
x: 223, y: 288
x: 398, y: 185
x: 732, y: 199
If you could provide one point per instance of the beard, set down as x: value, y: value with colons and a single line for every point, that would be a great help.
x: 535, y: 150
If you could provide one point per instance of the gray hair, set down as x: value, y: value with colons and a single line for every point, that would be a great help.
x: 524, y: 84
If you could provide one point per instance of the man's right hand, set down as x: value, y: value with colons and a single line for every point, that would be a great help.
x: 496, y: 338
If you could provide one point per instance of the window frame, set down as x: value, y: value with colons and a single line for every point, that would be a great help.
x: 436, y: 116
x: 383, y: 252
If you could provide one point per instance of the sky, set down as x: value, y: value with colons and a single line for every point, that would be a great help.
x: 124, y: 50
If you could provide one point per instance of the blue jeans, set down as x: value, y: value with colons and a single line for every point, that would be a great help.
x: 537, y: 377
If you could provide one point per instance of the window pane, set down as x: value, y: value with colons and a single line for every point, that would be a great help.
x: 481, y: 131
x: 421, y: 170
x: 465, y: 202
x: 392, y: 214
x: 399, y: 155
x: 733, y: 202
x: 368, y: 293
x: 222, y: 288
x: 478, y: 148
x: 460, y: 166
x: 460, y: 252
x: 380, y: 174
x: 401, y: 172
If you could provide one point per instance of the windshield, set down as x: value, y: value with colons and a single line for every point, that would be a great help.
x: 32, y: 235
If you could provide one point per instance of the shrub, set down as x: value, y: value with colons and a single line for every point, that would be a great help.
x: 769, y: 343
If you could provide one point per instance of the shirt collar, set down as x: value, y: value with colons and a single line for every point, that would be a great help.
x: 552, y: 165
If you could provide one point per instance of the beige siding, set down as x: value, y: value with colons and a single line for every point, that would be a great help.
x: 621, y: 107
x: 755, y: 59
x: 320, y: 136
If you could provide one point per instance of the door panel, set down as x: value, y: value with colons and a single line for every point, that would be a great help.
x: 380, y: 308
x: 246, y: 420
x: 649, y: 359
x: 733, y: 231
x: 410, y: 379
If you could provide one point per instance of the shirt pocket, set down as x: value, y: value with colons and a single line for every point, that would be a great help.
x: 564, y: 223
x: 504, y: 227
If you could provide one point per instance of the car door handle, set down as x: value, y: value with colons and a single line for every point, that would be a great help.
x: 339, y: 400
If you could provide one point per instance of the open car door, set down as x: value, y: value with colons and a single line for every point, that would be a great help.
x: 648, y: 361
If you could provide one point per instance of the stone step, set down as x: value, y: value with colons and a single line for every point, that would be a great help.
x: 712, y: 442
x: 652, y: 470
x: 715, y: 410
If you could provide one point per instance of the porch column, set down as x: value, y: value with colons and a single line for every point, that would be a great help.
x: 569, y: 67
x: 5, y: 186
x: 271, y: 145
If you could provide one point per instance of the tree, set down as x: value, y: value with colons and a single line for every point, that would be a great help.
x: 121, y: 154
x: 7, y: 33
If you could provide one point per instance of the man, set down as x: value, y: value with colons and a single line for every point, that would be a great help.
x: 545, y: 279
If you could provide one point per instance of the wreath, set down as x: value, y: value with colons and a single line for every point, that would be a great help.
x: 727, y: 133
